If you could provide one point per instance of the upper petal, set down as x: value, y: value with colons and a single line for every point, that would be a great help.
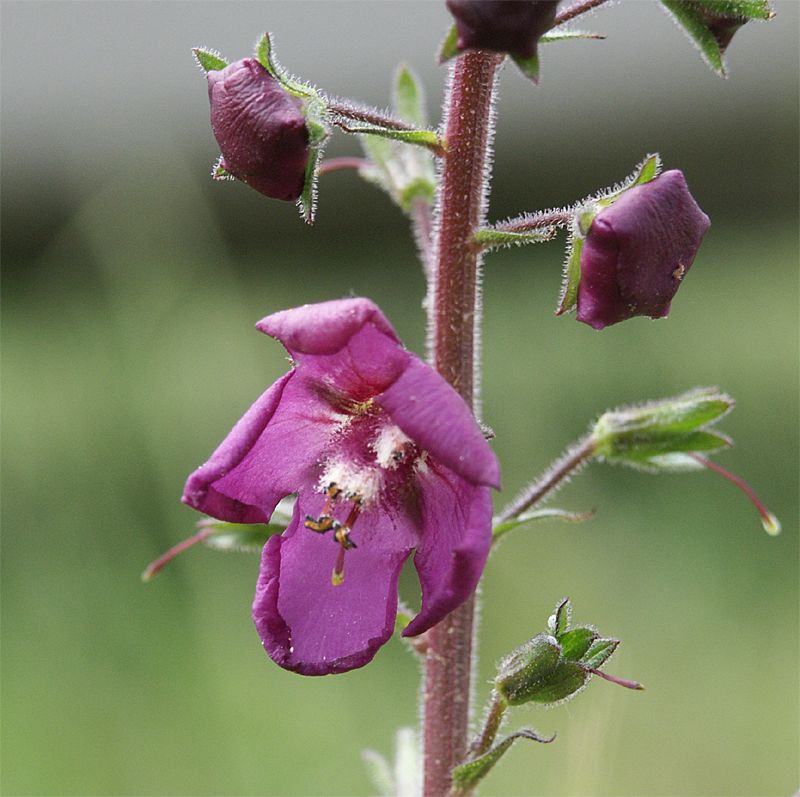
x: 313, y: 627
x: 432, y: 414
x: 324, y: 328
x: 456, y: 524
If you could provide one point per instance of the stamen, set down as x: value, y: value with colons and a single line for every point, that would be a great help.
x: 337, y: 576
x: 333, y: 491
x: 342, y: 536
x: 321, y: 524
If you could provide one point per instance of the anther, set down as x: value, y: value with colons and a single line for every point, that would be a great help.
x: 321, y: 524
x: 333, y: 491
x: 342, y: 536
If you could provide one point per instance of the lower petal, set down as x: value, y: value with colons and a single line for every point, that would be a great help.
x: 456, y: 534
x: 313, y: 627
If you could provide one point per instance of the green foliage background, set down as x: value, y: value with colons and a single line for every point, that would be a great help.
x: 131, y: 287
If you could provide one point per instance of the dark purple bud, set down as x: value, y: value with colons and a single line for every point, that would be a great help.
x: 505, y: 26
x: 638, y: 250
x: 260, y: 129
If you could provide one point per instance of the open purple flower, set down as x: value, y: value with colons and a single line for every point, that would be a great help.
x: 638, y: 250
x: 260, y: 129
x: 505, y: 26
x: 385, y: 458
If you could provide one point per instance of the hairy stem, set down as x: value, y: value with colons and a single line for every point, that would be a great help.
x: 576, y: 9
x: 494, y: 719
x: 452, y: 316
x: 361, y: 113
x: 575, y: 458
x: 535, y: 221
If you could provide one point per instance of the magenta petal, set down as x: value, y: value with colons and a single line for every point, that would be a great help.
x: 200, y: 491
x: 312, y: 627
x: 456, y: 537
x: 324, y: 328
x: 432, y: 414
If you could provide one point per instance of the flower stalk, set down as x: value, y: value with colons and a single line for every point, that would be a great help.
x: 452, y: 318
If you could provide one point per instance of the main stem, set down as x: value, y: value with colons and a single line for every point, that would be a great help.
x: 452, y: 315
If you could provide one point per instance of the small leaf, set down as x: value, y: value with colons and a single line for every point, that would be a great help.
x: 489, y: 238
x: 467, y: 776
x: 575, y: 642
x: 449, y: 47
x: 408, y: 100
x: 208, y: 60
x: 599, y: 652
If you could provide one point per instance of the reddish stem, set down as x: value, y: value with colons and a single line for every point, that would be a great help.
x: 337, y: 164
x: 166, y: 558
x: 460, y: 210
x: 576, y: 10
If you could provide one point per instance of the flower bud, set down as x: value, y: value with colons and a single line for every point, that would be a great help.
x: 260, y: 128
x: 638, y: 250
x: 504, y: 26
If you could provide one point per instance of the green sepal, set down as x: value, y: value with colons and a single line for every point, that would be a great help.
x: 599, y: 652
x: 467, y: 776
x: 572, y: 275
x: 566, y: 680
x: 575, y: 642
x: 695, y: 16
x: 558, y: 622
x: 208, y: 60
x: 654, y: 435
x: 265, y: 54
x: 488, y: 238
x: 535, y: 515
x: 219, y: 172
x: 644, y: 172
x: 314, y: 112
x: 528, y: 66
x: 528, y: 669
x: 449, y: 47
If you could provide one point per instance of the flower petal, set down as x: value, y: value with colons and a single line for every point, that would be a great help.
x: 324, y: 328
x: 312, y: 627
x: 432, y: 414
x: 456, y: 537
x: 270, y: 452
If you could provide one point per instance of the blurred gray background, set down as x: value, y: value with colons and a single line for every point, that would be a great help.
x: 131, y: 285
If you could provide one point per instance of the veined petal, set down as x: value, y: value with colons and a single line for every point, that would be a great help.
x: 456, y: 521
x: 269, y: 454
x: 313, y: 627
x: 432, y: 414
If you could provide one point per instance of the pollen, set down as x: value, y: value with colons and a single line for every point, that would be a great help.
x: 390, y: 447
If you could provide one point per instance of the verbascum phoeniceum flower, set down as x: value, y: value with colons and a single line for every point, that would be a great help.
x: 386, y: 460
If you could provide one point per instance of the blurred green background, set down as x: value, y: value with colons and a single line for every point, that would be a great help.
x: 131, y: 286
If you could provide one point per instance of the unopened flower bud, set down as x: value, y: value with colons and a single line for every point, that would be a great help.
x: 260, y: 128
x: 638, y: 250
x: 504, y: 26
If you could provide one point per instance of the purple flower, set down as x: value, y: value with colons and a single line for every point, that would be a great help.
x: 260, y: 129
x: 505, y: 26
x: 638, y: 250
x: 385, y: 458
